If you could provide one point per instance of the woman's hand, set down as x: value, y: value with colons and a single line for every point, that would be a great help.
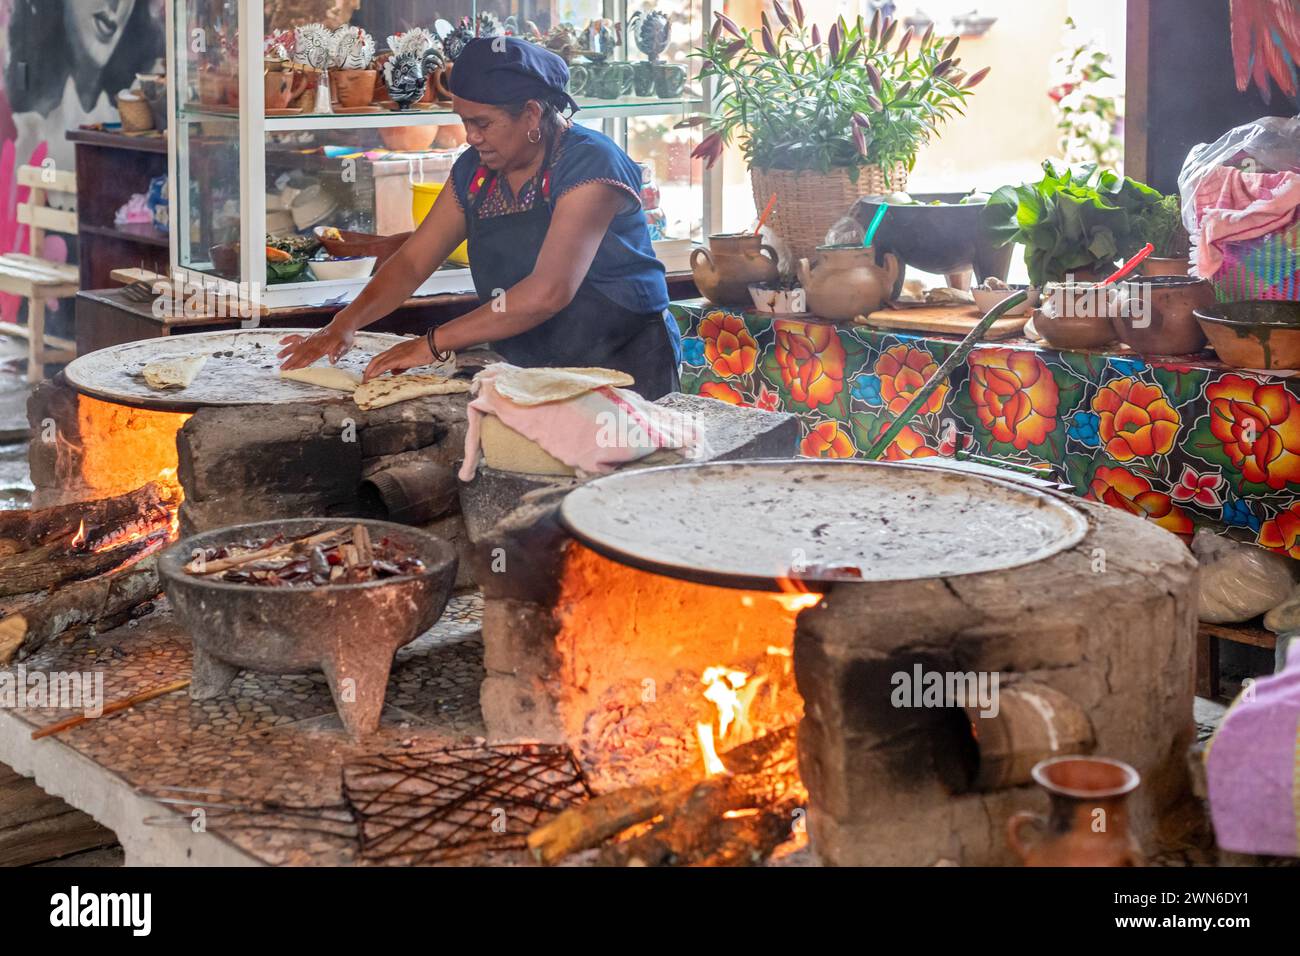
x: 410, y: 354
x: 334, y: 341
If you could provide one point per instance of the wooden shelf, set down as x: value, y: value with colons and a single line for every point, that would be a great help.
x: 151, y: 142
x: 132, y: 232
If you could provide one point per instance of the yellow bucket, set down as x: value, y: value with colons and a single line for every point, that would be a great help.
x: 422, y: 199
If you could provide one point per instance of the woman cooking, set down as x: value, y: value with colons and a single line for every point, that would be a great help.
x: 558, y: 246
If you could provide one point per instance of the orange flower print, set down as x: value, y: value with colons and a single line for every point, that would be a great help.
x: 1136, y: 420
x: 1259, y: 426
x: 902, y: 371
x: 1015, y: 395
x: 907, y: 445
x: 828, y: 439
x: 1120, y: 488
x: 1282, y: 533
x: 729, y: 347
x: 811, y: 358
x: 722, y: 392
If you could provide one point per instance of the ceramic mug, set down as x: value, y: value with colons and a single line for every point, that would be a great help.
x: 609, y: 81
x: 282, y: 88
x: 578, y: 79
x: 440, y: 82
x: 669, y: 80
x: 643, y: 78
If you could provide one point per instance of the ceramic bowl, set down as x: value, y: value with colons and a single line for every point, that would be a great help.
x: 1254, y: 333
x: 357, y: 267
x: 312, y: 206
x: 774, y: 300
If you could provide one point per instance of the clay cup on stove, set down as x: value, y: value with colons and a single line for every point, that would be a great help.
x: 354, y: 87
x: 1076, y: 315
x: 845, y: 281
x: 1087, y: 824
x: 1155, y: 314
x: 730, y: 265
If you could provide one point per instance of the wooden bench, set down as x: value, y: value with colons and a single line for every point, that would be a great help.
x: 38, y: 280
x: 1207, y: 650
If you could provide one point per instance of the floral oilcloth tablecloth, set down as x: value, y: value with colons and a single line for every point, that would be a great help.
x: 1183, y: 442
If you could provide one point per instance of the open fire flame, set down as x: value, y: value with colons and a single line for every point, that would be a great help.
x: 163, y: 524
x: 731, y: 692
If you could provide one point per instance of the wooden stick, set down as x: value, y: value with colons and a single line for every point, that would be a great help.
x: 209, y: 568
x: 113, y: 708
x: 361, y: 539
x: 25, y: 528
x: 51, y: 565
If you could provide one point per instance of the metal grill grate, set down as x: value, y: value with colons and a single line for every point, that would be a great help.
x: 444, y: 805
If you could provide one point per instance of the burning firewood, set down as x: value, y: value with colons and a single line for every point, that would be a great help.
x: 53, y: 565
x: 761, y: 774
x: 22, y: 529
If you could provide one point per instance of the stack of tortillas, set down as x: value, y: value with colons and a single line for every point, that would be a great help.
x: 178, y: 372
x: 504, y: 448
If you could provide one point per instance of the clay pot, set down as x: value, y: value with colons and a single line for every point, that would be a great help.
x: 844, y: 281
x: 408, y: 138
x: 1254, y: 333
x: 1156, y: 266
x: 1076, y: 316
x: 212, y: 88
x: 1155, y: 315
x: 733, y: 262
x: 230, y: 84
x: 1088, y: 821
x: 282, y: 88
x: 439, y: 85
x: 449, y: 136
x: 354, y: 88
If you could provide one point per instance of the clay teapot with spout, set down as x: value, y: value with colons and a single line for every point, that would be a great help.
x: 1088, y: 821
x: 732, y: 263
x: 845, y: 281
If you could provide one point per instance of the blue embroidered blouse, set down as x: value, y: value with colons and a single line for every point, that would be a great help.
x: 625, y: 268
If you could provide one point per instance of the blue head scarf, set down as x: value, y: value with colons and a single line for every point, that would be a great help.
x: 503, y: 71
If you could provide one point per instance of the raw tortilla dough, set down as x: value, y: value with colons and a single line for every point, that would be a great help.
x: 391, y: 389
x: 324, y: 376
x: 173, y: 372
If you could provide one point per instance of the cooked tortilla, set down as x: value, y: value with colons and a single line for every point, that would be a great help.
x: 537, y: 386
x: 324, y: 376
x: 173, y: 372
x: 391, y: 389
x: 506, y: 450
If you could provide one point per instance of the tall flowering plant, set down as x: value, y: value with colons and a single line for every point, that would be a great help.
x: 858, y: 94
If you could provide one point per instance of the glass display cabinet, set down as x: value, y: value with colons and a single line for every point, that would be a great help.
x: 274, y: 145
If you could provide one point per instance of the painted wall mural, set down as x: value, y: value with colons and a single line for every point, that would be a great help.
x: 64, y: 61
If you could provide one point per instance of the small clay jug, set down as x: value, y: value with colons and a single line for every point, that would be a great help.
x: 282, y: 88
x: 732, y: 263
x: 843, y: 282
x: 1088, y: 821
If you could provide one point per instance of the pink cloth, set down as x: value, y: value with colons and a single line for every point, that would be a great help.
x: 593, y: 432
x: 1232, y: 205
x: 1253, y: 767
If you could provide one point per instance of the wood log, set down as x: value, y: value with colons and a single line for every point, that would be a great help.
x: 23, y: 529
x: 97, y: 604
x: 612, y: 813
x: 50, y: 566
x: 36, y: 827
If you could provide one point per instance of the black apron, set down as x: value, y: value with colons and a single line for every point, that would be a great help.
x: 592, y: 330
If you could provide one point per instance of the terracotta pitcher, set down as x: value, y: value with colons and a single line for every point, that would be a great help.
x: 282, y: 88
x: 732, y: 263
x: 844, y: 281
x: 1088, y: 821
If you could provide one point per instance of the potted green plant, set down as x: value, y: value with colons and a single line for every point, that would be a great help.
x: 1076, y: 221
x: 823, y: 118
x: 1162, y: 226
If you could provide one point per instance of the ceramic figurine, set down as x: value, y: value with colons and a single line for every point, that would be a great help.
x: 563, y: 41
x: 416, y: 41
x: 354, y: 49
x: 313, y: 46
x: 454, y: 40
x: 598, y: 42
x: 487, y: 24
x: 407, y: 76
x: 650, y: 30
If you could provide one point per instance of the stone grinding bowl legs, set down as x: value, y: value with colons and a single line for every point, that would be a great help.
x: 350, y: 632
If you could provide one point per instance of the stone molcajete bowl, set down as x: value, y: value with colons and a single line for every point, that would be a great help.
x: 348, y: 631
x: 945, y: 239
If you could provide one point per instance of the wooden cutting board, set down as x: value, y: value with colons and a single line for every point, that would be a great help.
x: 945, y: 319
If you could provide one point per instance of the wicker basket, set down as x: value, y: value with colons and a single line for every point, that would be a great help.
x: 809, y: 203
x: 135, y: 112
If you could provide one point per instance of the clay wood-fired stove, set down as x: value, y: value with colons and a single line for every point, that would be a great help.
x: 635, y: 616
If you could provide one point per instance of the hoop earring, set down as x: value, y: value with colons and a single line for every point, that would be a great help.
x: 535, y: 135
